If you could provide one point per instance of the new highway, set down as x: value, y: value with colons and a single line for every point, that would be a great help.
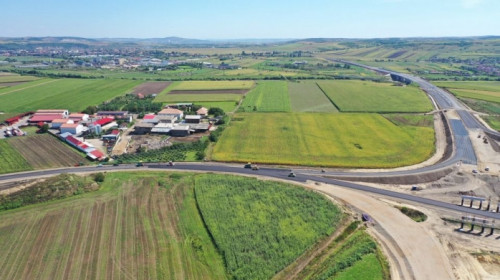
x: 462, y: 152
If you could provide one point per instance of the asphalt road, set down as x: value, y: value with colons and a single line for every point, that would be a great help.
x: 278, y: 173
x: 463, y: 152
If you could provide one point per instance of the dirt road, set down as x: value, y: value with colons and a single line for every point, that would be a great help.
x: 413, y: 252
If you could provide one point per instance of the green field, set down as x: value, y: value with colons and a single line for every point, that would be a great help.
x: 493, y: 121
x: 481, y: 86
x: 306, y: 96
x: 11, y: 159
x: 267, y: 96
x: 318, y: 139
x: 148, y: 226
x: 227, y: 106
x: 260, y: 226
x: 211, y: 85
x: 72, y: 94
x: 365, y: 96
x: 14, y: 78
x: 354, y: 256
x: 487, y: 91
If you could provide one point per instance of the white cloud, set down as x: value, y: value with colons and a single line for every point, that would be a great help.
x: 471, y: 3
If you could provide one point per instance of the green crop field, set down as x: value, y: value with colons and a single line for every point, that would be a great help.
x: 71, y: 94
x: 14, y: 78
x: 365, y: 96
x: 354, y: 256
x: 227, y: 106
x: 148, y: 225
x: 306, y: 96
x: 268, y: 96
x: 211, y: 85
x: 11, y: 159
x: 493, y: 121
x: 481, y: 86
x: 260, y: 227
x: 318, y: 139
x: 488, y: 91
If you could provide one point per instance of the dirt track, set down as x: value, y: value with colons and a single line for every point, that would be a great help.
x: 413, y: 252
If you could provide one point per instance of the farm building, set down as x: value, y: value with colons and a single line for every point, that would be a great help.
x: 47, y: 116
x: 143, y: 128
x: 72, y: 128
x: 166, y: 119
x: 202, y: 111
x: 150, y: 118
x: 171, y: 112
x: 180, y: 131
x: 103, y: 121
x: 192, y: 118
x: 64, y: 113
x: 162, y: 128
x: 116, y: 114
x: 75, y: 117
x: 85, y: 147
x: 119, y: 115
x: 199, y: 127
x: 112, y: 137
x: 56, y: 124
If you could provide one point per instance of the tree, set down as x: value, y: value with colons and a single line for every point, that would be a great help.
x: 99, y: 177
x: 44, y: 128
x: 90, y: 110
x: 216, y: 112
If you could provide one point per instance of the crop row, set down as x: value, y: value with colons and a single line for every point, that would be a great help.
x: 260, y: 227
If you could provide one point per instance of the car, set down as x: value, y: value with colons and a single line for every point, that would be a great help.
x: 139, y: 164
x: 116, y: 164
x: 292, y: 174
x: 255, y: 167
x: 170, y: 163
x: 486, y: 168
x: 99, y: 165
x: 248, y: 165
x: 474, y: 171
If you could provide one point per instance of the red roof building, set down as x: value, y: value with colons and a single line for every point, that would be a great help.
x: 96, y: 154
x: 48, y: 118
x: 103, y: 121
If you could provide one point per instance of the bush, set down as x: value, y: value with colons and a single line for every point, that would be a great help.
x: 99, y: 177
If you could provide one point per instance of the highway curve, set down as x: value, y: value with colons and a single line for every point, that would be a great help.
x: 462, y: 152
x: 278, y: 173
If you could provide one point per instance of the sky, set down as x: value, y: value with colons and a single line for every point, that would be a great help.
x: 236, y: 19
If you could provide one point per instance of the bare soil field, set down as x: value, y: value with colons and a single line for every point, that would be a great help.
x: 45, y: 151
x: 150, y: 88
x: 130, y: 229
x: 11, y: 84
x: 216, y: 91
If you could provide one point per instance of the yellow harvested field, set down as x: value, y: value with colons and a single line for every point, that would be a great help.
x: 318, y: 139
x: 213, y: 85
